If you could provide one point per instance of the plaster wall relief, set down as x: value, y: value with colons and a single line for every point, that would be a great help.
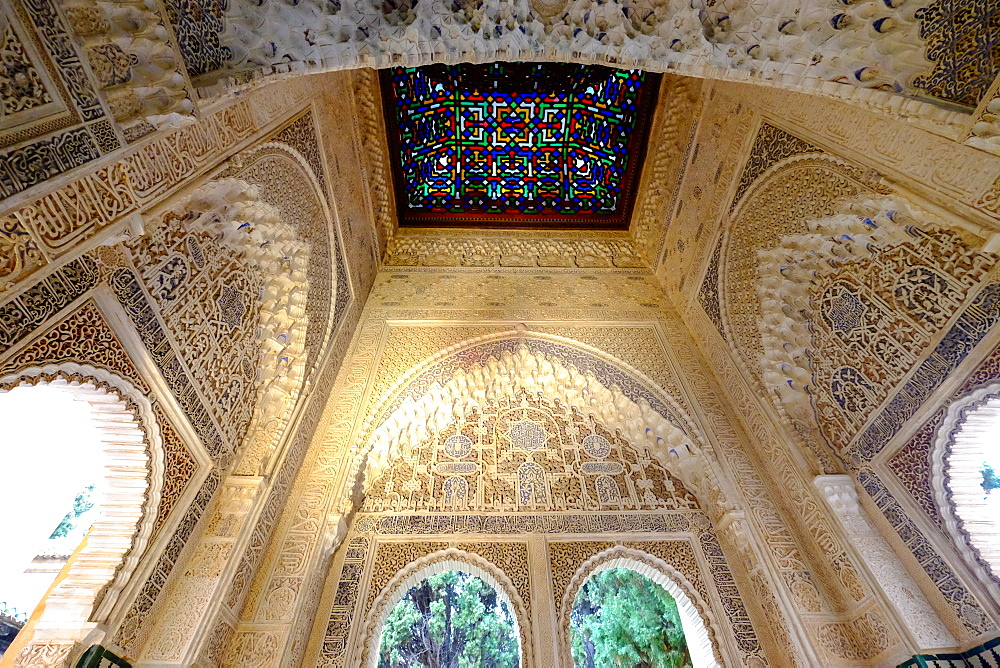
x: 53, y: 119
x: 134, y: 63
x: 507, y: 249
x: 81, y: 345
x: 692, y: 224
x: 860, y: 221
x: 50, y: 229
x: 413, y: 293
x: 544, y: 435
x: 289, y: 510
x: 891, y: 269
x: 329, y: 468
x: 920, y: 163
x: 920, y: 160
x: 671, y: 139
x: 519, y: 454
x: 375, y: 155
x: 984, y: 127
x: 237, y: 294
x: 907, y: 482
x: 278, y: 224
x: 822, y: 583
x: 921, y: 620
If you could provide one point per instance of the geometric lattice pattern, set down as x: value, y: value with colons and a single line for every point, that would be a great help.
x: 506, y: 142
x: 523, y: 453
x: 876, y: 319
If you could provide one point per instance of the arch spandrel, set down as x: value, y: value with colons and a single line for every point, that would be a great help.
x: 472, y: 373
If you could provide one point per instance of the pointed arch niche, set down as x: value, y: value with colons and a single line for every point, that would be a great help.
x: 477, y: 371
x: 87, y: 593
x: 695, y: 616
x: 451, y: 559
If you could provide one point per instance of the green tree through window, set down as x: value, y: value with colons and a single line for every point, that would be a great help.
x: 450, y: 620
x: 991, y: 480
x: 81, y: 504
x: 622, y: 619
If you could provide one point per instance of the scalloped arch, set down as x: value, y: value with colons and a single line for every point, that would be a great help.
x: 958, y: 444
x: 134, y: 469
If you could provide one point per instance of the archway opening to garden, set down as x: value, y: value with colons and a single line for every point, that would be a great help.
x: 52, y: 485
x: 623, y: 619
x: 83, y: 464
x: 450, y: 619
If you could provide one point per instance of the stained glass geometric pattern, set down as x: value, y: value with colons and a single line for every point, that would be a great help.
x: 517, y: 144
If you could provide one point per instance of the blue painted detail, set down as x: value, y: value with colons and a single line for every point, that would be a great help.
x: 970, y: 328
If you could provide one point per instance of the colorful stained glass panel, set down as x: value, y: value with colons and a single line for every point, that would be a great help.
x: 517, y: 143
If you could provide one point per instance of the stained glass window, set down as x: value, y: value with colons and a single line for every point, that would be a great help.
x: 519, y: 144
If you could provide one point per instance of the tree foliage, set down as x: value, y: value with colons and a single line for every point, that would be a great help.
x: 81, y: 504
x: 450, y: 620
x: 623, y: 619
x: 991, y: 480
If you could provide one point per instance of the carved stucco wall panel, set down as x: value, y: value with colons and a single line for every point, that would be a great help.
x: 83, y: 337
x: 49, y: 225
x: 915, y: 162
x: 375, y: 156
x: 671, y: 138
x: 969, y: 614
x: 919, y: 162
x: 180, y: 633
x: 821, y: 577
x: 328, y: 466
x: 370, y: 339
x: 509, y: 293
x: 790, y: 191
x: 155, y: 171
x: 866, y: 292
x: 903, y: 476
x: 726, y: 125
x: 956, y: 177
x: 511, y: 248
x: 295, y: 582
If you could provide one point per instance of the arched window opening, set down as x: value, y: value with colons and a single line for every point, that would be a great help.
x: 52, y: 477
x: 82, y: 462
x: 450, y: 620
x: 971, y: 467
x: 622, y: 618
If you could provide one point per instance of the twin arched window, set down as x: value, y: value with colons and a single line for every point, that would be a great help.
x: 452, y: 618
